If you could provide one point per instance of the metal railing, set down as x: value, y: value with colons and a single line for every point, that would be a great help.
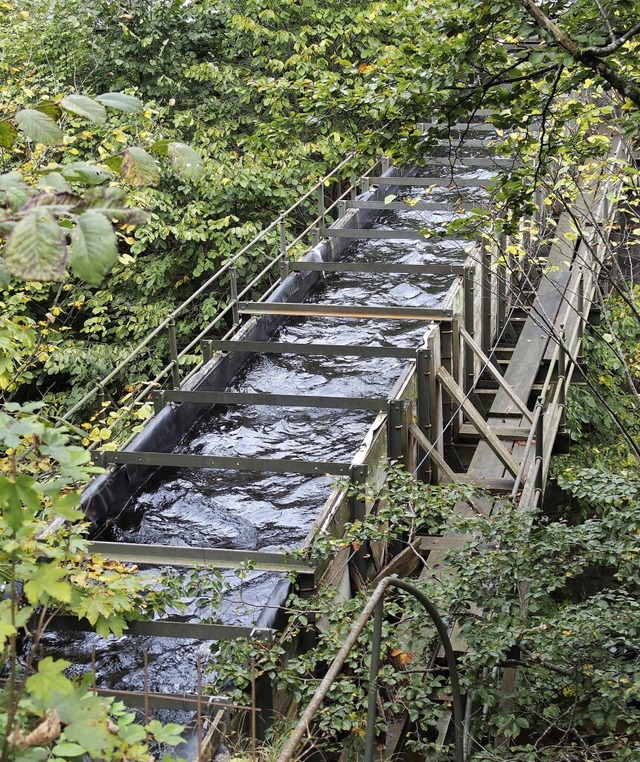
x: 375, y: 607
x: 167, y: 329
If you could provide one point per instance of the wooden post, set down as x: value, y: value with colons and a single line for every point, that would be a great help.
x: 469, y: 324
x: 358, y: 479
x: 485, y: 336
x: 446, y: 359
x: 423, y: 365
x: 398, y: 430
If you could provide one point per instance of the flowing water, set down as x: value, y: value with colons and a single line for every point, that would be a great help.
x: 224, y: 509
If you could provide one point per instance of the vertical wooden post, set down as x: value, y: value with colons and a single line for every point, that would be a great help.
x: 423, y: 363
x: 321, y: 206
x: 486, y: 295
x: 446, y: 359
x: 358, y: 479
x: 397, y: 430
x: 540, y: 454
x: 501, y: 273
x: 233, y: 285
x: 207, y: 353
x: 173, y: 350
x: 469, y: 324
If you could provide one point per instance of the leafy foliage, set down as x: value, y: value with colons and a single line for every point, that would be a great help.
x: 45, y: 569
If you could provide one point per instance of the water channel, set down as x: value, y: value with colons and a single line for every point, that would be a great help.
x: 213, y: 508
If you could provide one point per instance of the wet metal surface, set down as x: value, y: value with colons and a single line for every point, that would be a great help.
x: 269, y: 511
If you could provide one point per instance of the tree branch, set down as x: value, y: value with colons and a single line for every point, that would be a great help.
x: 606, y: 50
x: 586, y: 56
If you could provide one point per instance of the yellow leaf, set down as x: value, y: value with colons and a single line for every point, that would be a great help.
x: 24, y: 14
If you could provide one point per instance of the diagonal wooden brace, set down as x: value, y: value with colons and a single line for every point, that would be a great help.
x: 506, y: 388
x: 477, y: 420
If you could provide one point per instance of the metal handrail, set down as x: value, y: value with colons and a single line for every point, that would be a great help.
x: 203, y: 288
x: 374, y: 607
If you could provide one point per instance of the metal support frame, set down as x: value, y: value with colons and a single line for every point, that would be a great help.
x: 397, y: 430
x: 276, y: 400
x: 183, y: 460
x: 329, y: 350
x: 499, y: 378
x: 187, y: 555
x: 167, y: 629
x: 422, y: 182
x: 501, y: 274
x: 344, y: 311
x: 478, y: 421
x: 282, y: 230
x: 377, y: 267
x: 540, y: 453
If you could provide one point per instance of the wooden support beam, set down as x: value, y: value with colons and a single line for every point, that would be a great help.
x: 506, y: 388
x: 478, y: 421
x: 513, y: 433
x: 435, y: 456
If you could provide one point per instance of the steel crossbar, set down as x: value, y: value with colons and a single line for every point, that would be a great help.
x: 279, y: 400
x: 399, y: 235
x: 399, y: 268
x: 473, y: 161
x: 168, y: 629
x: 186, y: 555
x: 428, y: 181
x: 344, y: 310
x: 186, y: 460
x: 330, y: 350
x: 410, y: 206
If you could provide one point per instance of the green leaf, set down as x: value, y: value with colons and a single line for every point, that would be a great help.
x: 120, y: 102
x: 16, y: 495
x: 36, y: 249
x: 14, y: 192
x: 86, y: 107
x: 5, y: 275
x: 186, y: 161
x: 111, y: 203
x: 49, y: 679
x: 67, y: 749
x: 170, y: 734
x: 114, y: 162
x: 89, y: 174
x: 94, y: 249
x: 48, y: 583
x: 50, y: 108
x: 39, y: 127
x: 139, y: 167
x: 54, y: 181
x: 7, y: 134
x: 161, y: 147
x: 7, y: 627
